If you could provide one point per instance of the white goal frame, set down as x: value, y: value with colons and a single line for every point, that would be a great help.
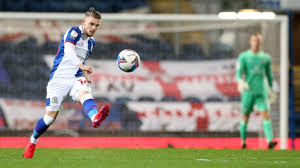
x: 284, y: 43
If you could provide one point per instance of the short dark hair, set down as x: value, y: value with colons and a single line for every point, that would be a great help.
x: 93, y: 13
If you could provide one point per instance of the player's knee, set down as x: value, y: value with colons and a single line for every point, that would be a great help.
x: 84, y: 96
x: 265, y: 115
x: 52, y: 108
x: 245, y: 118
x: 48, y: 119
x: 83, y: 92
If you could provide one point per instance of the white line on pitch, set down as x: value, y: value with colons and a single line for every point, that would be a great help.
x: 205, y: 160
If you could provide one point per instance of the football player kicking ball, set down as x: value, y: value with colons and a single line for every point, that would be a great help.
x: 252, y: 67
x: 69, y: 76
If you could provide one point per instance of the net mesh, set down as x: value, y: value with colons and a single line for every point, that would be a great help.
x: 186, y: 82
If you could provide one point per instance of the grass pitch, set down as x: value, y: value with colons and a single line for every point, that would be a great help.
x: 149, y: 158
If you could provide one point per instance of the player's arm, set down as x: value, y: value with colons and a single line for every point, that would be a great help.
x: 269, y: 73
x: 85, y: 68
x: 69, y: 50
x: 71, y: 54
x: 240, y: 66
x: 72, y: 36
x: 87, y: 77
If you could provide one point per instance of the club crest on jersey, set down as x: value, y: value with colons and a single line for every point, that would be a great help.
x: 54, y: 100
x: 80, y: 43
x: 74, y: 34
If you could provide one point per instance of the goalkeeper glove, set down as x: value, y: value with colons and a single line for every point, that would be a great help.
x: 272, y: 97
x: 242, y: 86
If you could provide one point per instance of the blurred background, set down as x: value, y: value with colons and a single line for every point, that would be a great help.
x: 185, y: 86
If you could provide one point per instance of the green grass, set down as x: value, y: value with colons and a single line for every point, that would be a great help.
x: 149, y: 158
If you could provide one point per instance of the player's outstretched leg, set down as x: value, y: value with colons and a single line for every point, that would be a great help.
x: 100, y: 116
x: 41, y: 126
x: 29, y: 150
x: 90, y: 109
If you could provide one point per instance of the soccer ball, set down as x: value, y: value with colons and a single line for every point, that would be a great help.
x: 128, y: 60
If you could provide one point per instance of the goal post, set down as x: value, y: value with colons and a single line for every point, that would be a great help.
x: 284, y: 80
x: 179, y: 23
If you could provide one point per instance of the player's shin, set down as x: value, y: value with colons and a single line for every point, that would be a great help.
x: 243, y: 131
x: 267, y: 124
x: 41, y: 126
x: 89, y: 105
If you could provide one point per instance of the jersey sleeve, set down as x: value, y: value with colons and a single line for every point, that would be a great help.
x: 240, y: 68
x: 73, y: 35
x: 71, y: 54
x: 269, y: 72
x: 71, y: 38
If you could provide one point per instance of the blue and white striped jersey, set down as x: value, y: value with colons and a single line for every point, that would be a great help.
x: 73, y: 49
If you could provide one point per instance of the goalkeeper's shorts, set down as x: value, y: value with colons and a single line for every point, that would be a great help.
x: 249, y: 99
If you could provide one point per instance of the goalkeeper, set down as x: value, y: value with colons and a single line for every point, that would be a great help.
x: 252, y: 67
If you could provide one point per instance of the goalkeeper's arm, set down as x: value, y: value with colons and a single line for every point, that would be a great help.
x: 269, y: 73
x: 242, y: 85
x: 272, y: 94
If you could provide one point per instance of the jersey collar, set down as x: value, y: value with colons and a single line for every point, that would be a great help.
x: 82, y: 34
x: 254, y: 53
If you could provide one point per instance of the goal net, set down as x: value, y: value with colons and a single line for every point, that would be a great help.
x: 185, y: 84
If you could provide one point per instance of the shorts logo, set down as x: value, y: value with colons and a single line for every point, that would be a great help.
x: 54, y: 100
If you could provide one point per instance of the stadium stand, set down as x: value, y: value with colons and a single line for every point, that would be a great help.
x: 71, y: 5
x: 221, y: 51
x: 192, y: 52
x: 234, y: 98
x: 29, y: 55
x: 146, y: 98
x: 192, y: 99
x: 214, y: 99
x: 129, y: 119
x: 101, y: 99
x: 31, y: 52
x: 169, y: 99
x: 123, y: 99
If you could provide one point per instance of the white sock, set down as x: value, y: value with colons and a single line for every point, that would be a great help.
x: 33, y: 140
x: 93, y: 117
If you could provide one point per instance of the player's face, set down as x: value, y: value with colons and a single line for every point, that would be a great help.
x: 255, y: 43
x: 90, y: 25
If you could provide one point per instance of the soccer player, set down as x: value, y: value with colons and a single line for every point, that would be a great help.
x: 69, y: 75
x: 252, y: 67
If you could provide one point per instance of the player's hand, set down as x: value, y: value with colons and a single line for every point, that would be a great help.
x: 86, y: 68
x: 242, y: 86
x: 88, y: 79
x: 87, y: 76
x: 89, y: 70
x: 272, y: 97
